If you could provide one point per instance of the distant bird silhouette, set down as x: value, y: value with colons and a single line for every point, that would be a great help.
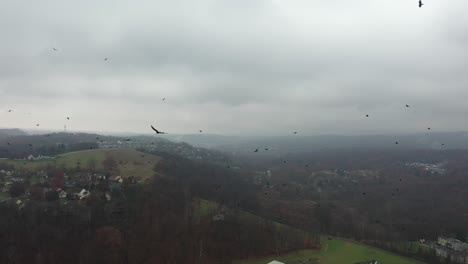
x: 106, y: 59
x: 442, y: 144
x: 420, y: 3
x: 396, y: 142
x: 9, y: 144
x: 256, y: 150
x: 68, y: 118
x: 367, y: 115
x: 9, y: 111
x: 97, y: 137
x: 295, y: 132
x: 428, y: 128
x: 54, y: 49
x: 164, y: 99
x: 157, y: 131
x: 200, y: 131
x: 37, y: 125
x: 267, y: 149
x: 30, y: 145
x: 407, y: 105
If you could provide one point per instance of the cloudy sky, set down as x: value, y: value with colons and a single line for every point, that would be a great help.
x: 235, y: 67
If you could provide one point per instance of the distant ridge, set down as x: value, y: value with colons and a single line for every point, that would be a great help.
x: 7, y: 132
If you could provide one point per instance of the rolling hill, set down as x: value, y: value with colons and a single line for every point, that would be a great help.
x: 130, y: 162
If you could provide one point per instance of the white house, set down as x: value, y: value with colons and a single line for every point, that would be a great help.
x: 83, y: 194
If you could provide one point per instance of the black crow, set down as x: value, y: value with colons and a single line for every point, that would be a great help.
x: 420, y: 3
x: 157, y: 132
x: 367, y: 115
x: 256, y: 150
x: 407, y: 105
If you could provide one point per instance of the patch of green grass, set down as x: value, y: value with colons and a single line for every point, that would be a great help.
x: 129, y: 161
x: 336, y: 252
x: 203, y: 209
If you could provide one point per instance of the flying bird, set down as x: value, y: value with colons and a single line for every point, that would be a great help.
x: 407, y: 105
x: 201, y: 131
x: 428, y: 128
x: 295, y: 132
x: 37, y: 124
x: 9, y: 111
x: 157, y: 132
x: 68, y: 118
x: 164, y: 99
x: 367, y: 115
x: 266, y: 148
x: 106, y: 59
x: 420, y: 3
x: 396, y: 142
x: 256, y: 150
x: 54, y: 49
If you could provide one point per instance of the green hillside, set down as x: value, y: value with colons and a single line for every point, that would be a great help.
x: 129, y: 161
x: 335, y: 252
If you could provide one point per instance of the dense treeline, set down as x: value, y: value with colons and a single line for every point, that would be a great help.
x: 158, y: 224
x: 373, y: 196
x: 20, y: 147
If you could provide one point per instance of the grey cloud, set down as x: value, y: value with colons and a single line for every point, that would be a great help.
x: 268, y: 66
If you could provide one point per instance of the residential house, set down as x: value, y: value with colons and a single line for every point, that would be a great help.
x: 451, y: 248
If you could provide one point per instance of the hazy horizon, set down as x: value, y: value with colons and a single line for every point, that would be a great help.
x: 246, y: 67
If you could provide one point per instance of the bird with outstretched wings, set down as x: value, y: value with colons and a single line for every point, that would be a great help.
x: 157, y: 131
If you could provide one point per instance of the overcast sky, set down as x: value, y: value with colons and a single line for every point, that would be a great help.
x: 235, y: 67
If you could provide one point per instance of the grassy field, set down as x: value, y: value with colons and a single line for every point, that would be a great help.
x: 335, y: 252
x: 205, y: 208
x: 130, y: 162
